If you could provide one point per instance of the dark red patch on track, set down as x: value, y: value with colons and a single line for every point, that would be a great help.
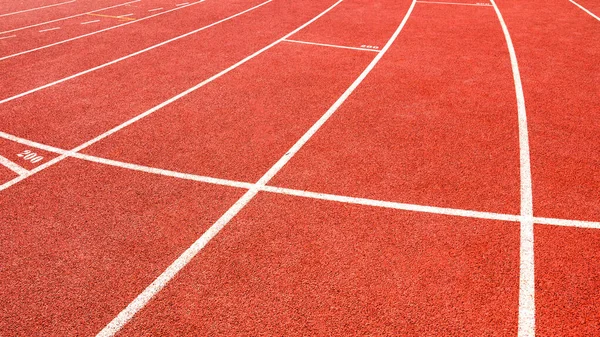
x: 293, y: 266
x: 82, y: 240
x: 567, y: 272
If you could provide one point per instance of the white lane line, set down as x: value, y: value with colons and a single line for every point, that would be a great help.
x: 155, y: 9
x: 13, y: 166
x: 305, y: 194
x: 124, y: 15
x: 130, y: 55
x: 148, y: 112
x: 526, y: 268
x: 181, y: 4
x: 35, y: 9
x: 7, y: 37
x: 96, y: 32
x: 455, y: 3
x: 68, y: 17
x: 330, y: 45
x: 88, y: 22
x: 585, y: 10
x: 159, y: 283
x: 49, y: 29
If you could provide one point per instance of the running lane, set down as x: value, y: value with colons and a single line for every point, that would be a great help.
x: 81, y: 240
x: 75, y: 111
x: 240, y: 125
x: 435, y: 123
x: 557, y: 48
x: 28, y: 71
x: 292, y: 266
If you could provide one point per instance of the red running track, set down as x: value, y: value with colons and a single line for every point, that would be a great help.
x: 433, y: 124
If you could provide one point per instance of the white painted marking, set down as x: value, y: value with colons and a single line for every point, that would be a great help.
x: 7, y: 37
x: 13, y: 166
x: 181, y: 4
x: 96, y: 32
x: 455, y: 3
x: 158, y: 284
x: 67, y: 17
x: 130, y: 55
x: 331, y: 45
x: 49, y: 29
x: 88, y: 22
x: 527, y: 275
x: 37, y: 8
x: 585, y: 10
x: 155, y: 9
x: 305, y: 194
x: 125, y: 15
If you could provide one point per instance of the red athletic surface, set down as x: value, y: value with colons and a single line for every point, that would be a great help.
x: 567, y: 281
x: 289, y: 266
x: 81, y: 240
x: 557, y: 45
x: 434, y: 124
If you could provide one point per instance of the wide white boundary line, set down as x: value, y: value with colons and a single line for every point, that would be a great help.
x: 159, y: 283
x: 455, y: 3
x: 305, y: 194
x: 68, y: 17
x: 16, y: 168
x: 331, y: 45
x: 526, y: 268
x: 96, y: 32
x: 585, y: 10
x: 37, y: 8
x: 131, y: 55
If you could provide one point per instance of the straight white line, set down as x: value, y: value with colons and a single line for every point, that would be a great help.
x: 125, y: 15
x: 455, y: 3
x: 331, y: 45
x: 49, y: 29
x: 34, y: 9
x: 130, y: 55
x: 7, y: 37
x: 527, y: 274
x: 585, y: 10
x: 96, y: 32
x: 155, y: 9
x: 181, y: 4
x: 305, y: 194
x: 68, y: 17
x: 13, y: 166
x: 159, y: 283
x: 88, y: 22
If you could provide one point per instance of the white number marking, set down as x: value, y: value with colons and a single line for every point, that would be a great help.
x: 30, y: 156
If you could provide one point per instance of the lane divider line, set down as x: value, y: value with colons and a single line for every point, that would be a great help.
x: 37, y: 8
x: 148, y: 112
x: 16, y: 168
x: 49, y: 29
x: 586, y: 10
x: 330, y: 45
x: 130, y: 55
x: 159, y: 283
x: 88, y: 22
x: 155, y: 9
x: 120, y: 17
x: 303, y: 193
x: 7, y: 37
x: 68, y: 17
x: 95, y: 32
x: 455, y: 3
x: 181, y: 4
x: 526, y: 264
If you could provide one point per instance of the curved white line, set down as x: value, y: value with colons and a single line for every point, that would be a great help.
x: 95, y: 32
x: 526, y: 265
x: 67, y: 17
x: 36, y: 8
x: 585, y: 10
